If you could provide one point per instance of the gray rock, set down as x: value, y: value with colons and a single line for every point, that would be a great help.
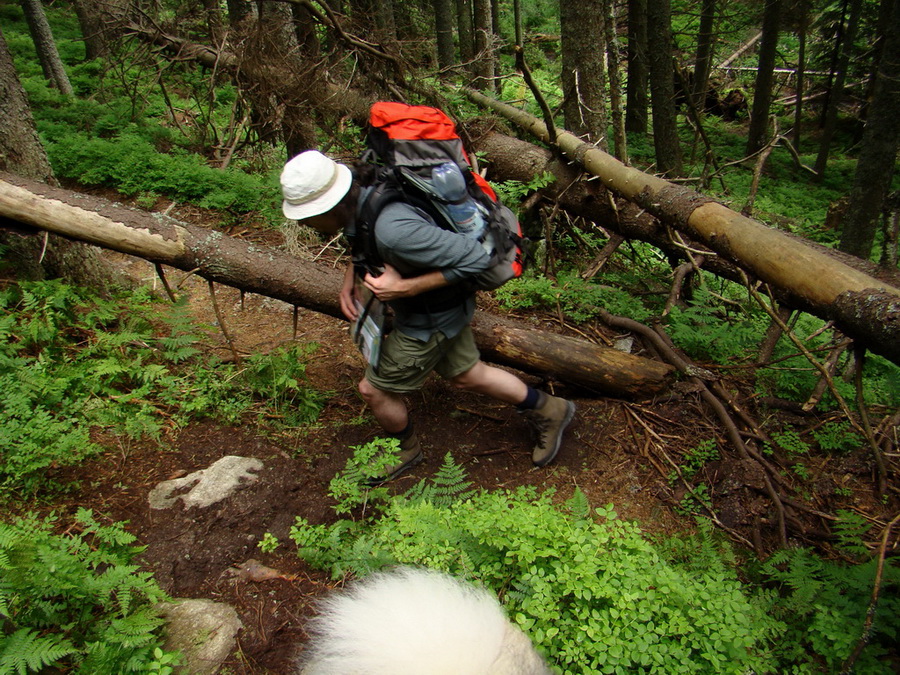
x: 210, y: 485
x: 203, y: 631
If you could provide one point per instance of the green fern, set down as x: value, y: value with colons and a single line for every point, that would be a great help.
x: 448, y: 485
x: 26, y: 650
x: 75, y: 602
x: 578, y: 504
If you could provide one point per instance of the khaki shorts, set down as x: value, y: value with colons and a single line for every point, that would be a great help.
x: 406, y: 362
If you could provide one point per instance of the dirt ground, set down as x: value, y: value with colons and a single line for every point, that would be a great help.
x: 616, y: 452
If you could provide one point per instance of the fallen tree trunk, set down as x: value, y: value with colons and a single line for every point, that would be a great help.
x: 814, y: 281
x: 267, y: 271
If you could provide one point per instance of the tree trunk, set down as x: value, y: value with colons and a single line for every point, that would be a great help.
x: 239, y: 11
x: 617, y: 110
x: 305, y: 31
x: 45, y: 46
x: 483, y: 68
x: 21, y: 151
x: 92, y: 29
x: 466, y: 32
x: 33, y: 256
x: 214, y: 22
x: 267, y: 271
x: 583, y: 68
x: 636, y: 94
x: 443, y: 30
x: 384, y: 20
x: 765, y: 77
x: 837, y: 89
x: 805, y: 276
x: 802, y: 30
x: 704, y: 55
x: 662, y: 89
x: 877, y: 157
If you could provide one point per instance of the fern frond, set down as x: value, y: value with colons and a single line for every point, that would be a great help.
x: 27, y: 650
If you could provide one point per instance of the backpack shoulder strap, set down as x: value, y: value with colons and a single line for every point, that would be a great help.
x: 364, y: 251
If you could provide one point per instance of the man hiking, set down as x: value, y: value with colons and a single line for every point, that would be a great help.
x: 422, y: 281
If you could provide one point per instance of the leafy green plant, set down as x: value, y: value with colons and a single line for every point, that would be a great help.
x: 594, y: 595
x: 349, y: 488
x: 837, y: 437
x: 75, y: 602
x: 823, y: 603
x: 269, y: 543
x: 695, y: 458
x: 790, y: 441
x: 512, y: 192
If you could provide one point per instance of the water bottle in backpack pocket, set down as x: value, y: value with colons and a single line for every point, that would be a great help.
x: 450, y: 184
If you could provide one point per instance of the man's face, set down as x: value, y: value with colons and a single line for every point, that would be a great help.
x: 333, y: 221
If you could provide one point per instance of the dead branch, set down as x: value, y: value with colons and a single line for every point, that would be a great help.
x: 221, y: 320
x: 860, y: 353
x: 669, y: 354
x: 536, y: 92
x: 597, y: 264
x: 873, y: 602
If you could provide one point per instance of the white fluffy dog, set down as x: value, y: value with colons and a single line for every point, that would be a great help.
x: 417, y: 622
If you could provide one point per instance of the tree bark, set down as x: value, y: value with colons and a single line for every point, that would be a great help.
x: 483, y: 68
x: 465, y: 31
x: 662, y: 89
x: 266, y: 271
x: 35, y: 257
x: 583, y: 46
x: 765, y: 74
x: 45, y: 46
x: 877, y: 157
x: 704, y: 55
x: 617, y: 110
x: 837, y: 89
x: 443, y: 30
x: 802, y: 31
x: 636, y: 94
x: 804, y: 276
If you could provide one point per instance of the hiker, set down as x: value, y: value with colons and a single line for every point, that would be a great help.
x: 423, y: 267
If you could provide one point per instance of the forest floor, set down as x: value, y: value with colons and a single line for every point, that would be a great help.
x: 617, y: 452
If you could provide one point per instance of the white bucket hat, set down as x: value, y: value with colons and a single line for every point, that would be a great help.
x: 311, y: 184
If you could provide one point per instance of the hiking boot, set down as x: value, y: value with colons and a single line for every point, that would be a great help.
x: 551, y: 417
x: 409, y: 454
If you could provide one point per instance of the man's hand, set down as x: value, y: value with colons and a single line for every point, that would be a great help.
x: 391, y: 286
x: 348, y: 305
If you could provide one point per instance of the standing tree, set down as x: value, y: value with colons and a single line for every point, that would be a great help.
x: 34, y: 256
x: 765, y: 77
x: 45, y: 46
x: 443, y: 30
x: 483, y: 68
x: 583, y: 68
x: 615, y: 82
x: 704, y: 55
x: 662, y: 88
x: 465, y: 29
x: 636, y: 95
x: 844, y: 49
x: 877, y: 158
x: 802, y: 28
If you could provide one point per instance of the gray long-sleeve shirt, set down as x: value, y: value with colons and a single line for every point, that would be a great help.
x: 409, y: 240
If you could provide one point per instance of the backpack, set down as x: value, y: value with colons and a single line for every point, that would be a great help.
x: 404, y: 143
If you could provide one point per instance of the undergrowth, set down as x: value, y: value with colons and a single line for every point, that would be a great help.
x: 595, y: 595
x: 74, y: 602
x: 72, y: 362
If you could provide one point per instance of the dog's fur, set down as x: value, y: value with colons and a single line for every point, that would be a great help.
x: 417, y: 622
